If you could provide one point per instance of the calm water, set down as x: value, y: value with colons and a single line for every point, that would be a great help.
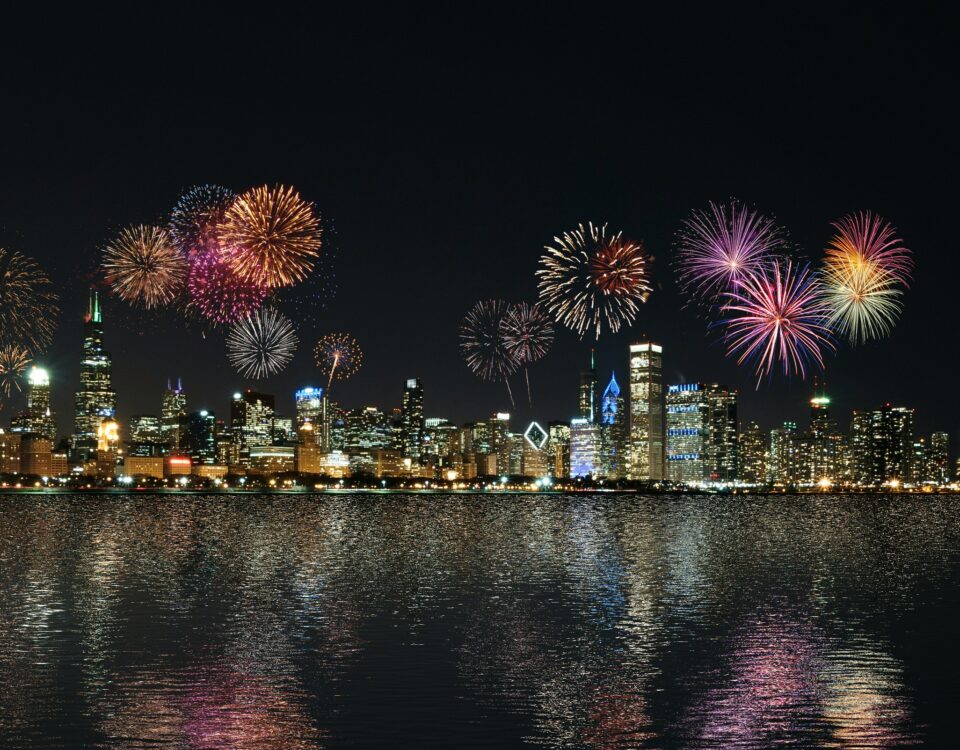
x: 467, y: 621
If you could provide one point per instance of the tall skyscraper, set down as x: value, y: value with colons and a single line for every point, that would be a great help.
x: 782, y: 467
x: 861, y: 448
x: 584, y: 448
x: 938, y: 460
x: 37, y: 418
x: 722, y: 448
x: 587, y: 401
x: 688, y: 431
x: 891, y: 430
x: 312, y: 407
x: 753, y: 455
x: 198, y: 437
x: 96, y: 400
x: 558, y: 444
x: 173, y: 408
x: 647, y: 449
x: 613, y: 431
x: 411, y: 419
x: 251, y: 421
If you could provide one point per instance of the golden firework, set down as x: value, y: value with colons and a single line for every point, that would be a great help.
x: 144, y: 267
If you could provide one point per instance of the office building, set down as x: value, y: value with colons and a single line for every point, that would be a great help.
x: 37, y: 418
x: 938, y: 461
x: 9, y: 452
x: 688, y: 429
x: 891, y: 430
x: 411, y: 419
x: 558, y: 446
x: 584, y: 448
x: 251, y: 422
x: 36, y: 457
x: 722, y: 444
x: 587, y: 401
x: 783, y: 463
x: 95, y: 400
x: 173, y: 408
x: 198, y: 437
x: 613, y: 431
x: 753, y: 455
x: 307, y: 454
x: 647, y: 437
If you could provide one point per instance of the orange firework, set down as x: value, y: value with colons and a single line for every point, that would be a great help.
x: 270, y: 236
x: 143, y: 267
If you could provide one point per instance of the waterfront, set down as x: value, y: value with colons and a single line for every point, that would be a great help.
x: 356, y: 620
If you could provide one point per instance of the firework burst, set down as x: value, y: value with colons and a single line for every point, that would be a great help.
x: 777, y: 316
x: 482, y: 344
x: 338, y: 356
x: 218, y: 294
x: 864, y: 300
x: 270, y: 236
x: 261, y: 344
x: 195, y: 217
x: 527, y: 335
x: 718, y: 246
x: 143, y: 267
x: 28, y: 304
x: 14, y: 361
x: 588, y: 279
x: 865, y: 239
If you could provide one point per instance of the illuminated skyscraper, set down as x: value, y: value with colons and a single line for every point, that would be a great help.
x: 938, y: 459
x: 173, y: 409
x: 688, y: 430
x: 37, y: 418
x: 752, y: 467
x: 588, y: 392
x: 96, y: 400
x: 411, y: 419
x: 783, y: 464
x: 251, y: 421
x: 722, y: 459
x: 198, y: 437
x: 558, y: 445
x: 613, y: 431
x: 584, y: 448
x: 145, y: 432
x: 891, y: 429
x: 647, y: 448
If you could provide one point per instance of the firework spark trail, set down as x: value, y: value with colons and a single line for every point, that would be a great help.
x: 588, y: 279
x: 28, y: 303
x: 270, y: 236
x: 261, y: 344
x: 718, y: 246
x: 482, y: 345
x: 143, y: 266
x: 218, y: 294
x: 527, y: 335
x: 778, y: 315
x: 338, y: 355
x: 14, y: 361
x: 864, y: 238
x: 195, y: 217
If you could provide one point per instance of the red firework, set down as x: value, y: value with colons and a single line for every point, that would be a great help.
x: 219, y: 294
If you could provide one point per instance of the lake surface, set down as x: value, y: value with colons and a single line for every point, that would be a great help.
x: 468, y: 621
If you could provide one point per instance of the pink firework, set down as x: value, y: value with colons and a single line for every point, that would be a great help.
x: 219, y: 294
x: 718, y: 246
x: 777, y: 315
x: 865, y: 240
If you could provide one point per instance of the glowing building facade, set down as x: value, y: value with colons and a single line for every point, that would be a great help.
x: 96, y: 400
x: 647, y: 438
x: 411, y: 419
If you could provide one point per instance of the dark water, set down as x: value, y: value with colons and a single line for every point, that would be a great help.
x: 468, y: 621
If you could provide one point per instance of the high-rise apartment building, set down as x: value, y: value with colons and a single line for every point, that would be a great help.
x: 783, y: 464
x: 722, y: 446
x: 891, y: 445
x: 938, y: 460
x: 647, y: 439
x: 96, y: 400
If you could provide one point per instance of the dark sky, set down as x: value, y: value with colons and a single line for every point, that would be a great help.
x: 449, y: 148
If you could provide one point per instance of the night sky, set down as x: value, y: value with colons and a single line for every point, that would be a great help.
x: 448, y: 149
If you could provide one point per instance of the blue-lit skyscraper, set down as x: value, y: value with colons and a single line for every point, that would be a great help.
x: 613, y: 431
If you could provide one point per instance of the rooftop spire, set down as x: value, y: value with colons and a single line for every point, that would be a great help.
x: 93, y: 307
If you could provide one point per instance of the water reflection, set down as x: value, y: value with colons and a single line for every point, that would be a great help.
x: 361, y: 621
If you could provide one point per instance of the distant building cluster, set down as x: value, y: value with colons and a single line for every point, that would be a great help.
x: 655, y: 433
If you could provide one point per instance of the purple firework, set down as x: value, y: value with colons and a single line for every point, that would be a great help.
x: 719, y: 246
x: 777, y: 316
